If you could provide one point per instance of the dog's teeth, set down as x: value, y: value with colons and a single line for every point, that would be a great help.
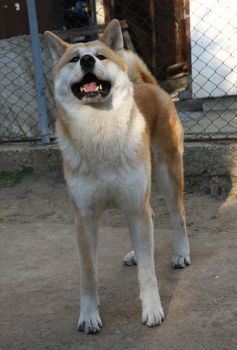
x: 101, y: 87
x: 81, y: 89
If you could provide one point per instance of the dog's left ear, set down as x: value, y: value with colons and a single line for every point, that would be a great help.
x: 56, y: 45
x: 113, y: 36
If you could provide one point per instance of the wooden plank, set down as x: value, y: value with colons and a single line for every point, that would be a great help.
x: 93, y: 32
x: 127, y: 41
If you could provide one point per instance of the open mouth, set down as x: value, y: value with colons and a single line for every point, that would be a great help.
x: 91, y: 86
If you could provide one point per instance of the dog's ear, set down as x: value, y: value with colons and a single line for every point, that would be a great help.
x: 113, y: 36
x: 56, y: 45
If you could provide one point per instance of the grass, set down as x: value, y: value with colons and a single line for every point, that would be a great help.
x: 11, y: 178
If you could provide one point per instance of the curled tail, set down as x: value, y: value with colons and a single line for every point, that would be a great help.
x: 137, y: 70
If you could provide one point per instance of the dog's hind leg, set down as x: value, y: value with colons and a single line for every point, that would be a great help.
x: 89, y: 319
x: 141, y: 230
x: 169, y: 177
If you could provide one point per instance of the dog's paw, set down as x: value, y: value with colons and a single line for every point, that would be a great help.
x: 153, y: 316
x: 181, y: 254
x: 130, y: 259
x: 180, y: 261
x: 89, y: 323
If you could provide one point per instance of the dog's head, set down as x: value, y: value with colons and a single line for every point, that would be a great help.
x: 88, y: 72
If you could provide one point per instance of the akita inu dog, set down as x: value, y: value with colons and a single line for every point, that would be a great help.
x: 112, y: 115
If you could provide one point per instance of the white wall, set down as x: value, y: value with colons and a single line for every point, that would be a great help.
x: 214, y: 47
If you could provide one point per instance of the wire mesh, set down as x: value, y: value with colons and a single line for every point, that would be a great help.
x: 17, y: 95
x: 190, y: 46
x: 213, y: 69
x: 19, y: 114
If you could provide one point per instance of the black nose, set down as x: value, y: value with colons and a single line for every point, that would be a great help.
x: 87, y: 62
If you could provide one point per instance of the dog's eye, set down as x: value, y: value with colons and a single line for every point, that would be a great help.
x: 75, y: 59
x: 100, y: 57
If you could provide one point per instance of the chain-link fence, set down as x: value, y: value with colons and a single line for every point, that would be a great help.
x: 22, y: 94
x: 19, y: 112
x: 189, y: 45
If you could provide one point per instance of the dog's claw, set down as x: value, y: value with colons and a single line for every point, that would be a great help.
x: 180, y: 262
x: 153, y: 318
x: 90, y: 326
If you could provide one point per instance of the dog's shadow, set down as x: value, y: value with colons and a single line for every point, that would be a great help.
x: 120, y: 293
x: 119, y: 287
x: 168, y: 278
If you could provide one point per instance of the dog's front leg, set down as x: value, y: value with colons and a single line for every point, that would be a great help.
x: 141, y: 229
x: 89, y: 319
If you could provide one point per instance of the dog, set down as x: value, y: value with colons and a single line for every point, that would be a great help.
x: 113, y: 117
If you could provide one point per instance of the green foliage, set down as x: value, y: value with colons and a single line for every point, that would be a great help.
x: 11, y: 178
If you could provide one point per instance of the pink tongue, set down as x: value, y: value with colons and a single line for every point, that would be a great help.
x: 90, y: 87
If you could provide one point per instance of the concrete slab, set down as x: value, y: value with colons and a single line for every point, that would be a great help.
x: 39, y: 283
x: 211, y: 158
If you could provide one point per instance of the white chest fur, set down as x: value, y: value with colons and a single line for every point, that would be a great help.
x: 104, y: 156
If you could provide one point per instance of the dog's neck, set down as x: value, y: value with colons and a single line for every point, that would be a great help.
x: 89, y: 122
x: 100, y: 134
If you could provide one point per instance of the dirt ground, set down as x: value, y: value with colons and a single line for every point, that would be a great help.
x: 39, y: 275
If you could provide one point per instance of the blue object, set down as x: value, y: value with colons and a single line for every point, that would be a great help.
x: 40, y: 86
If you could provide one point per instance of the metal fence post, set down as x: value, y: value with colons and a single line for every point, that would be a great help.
x: 93, y: 12
x: 40, y: 86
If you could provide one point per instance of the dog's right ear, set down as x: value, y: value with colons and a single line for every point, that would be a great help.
x: 113, y: 36
x: 56, y: 45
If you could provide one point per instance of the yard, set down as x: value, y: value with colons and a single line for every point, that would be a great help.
x: 39, y: 294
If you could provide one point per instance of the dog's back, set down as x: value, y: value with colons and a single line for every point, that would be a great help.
x: 166, y: 134
x: 156, y: 105
x: 137, y: 70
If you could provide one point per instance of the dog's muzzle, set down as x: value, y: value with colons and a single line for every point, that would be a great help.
x: 90, y: 86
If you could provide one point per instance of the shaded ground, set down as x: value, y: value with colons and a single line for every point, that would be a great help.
x: 39, y: 283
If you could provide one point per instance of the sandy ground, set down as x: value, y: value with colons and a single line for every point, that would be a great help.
x: 39, y: 292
